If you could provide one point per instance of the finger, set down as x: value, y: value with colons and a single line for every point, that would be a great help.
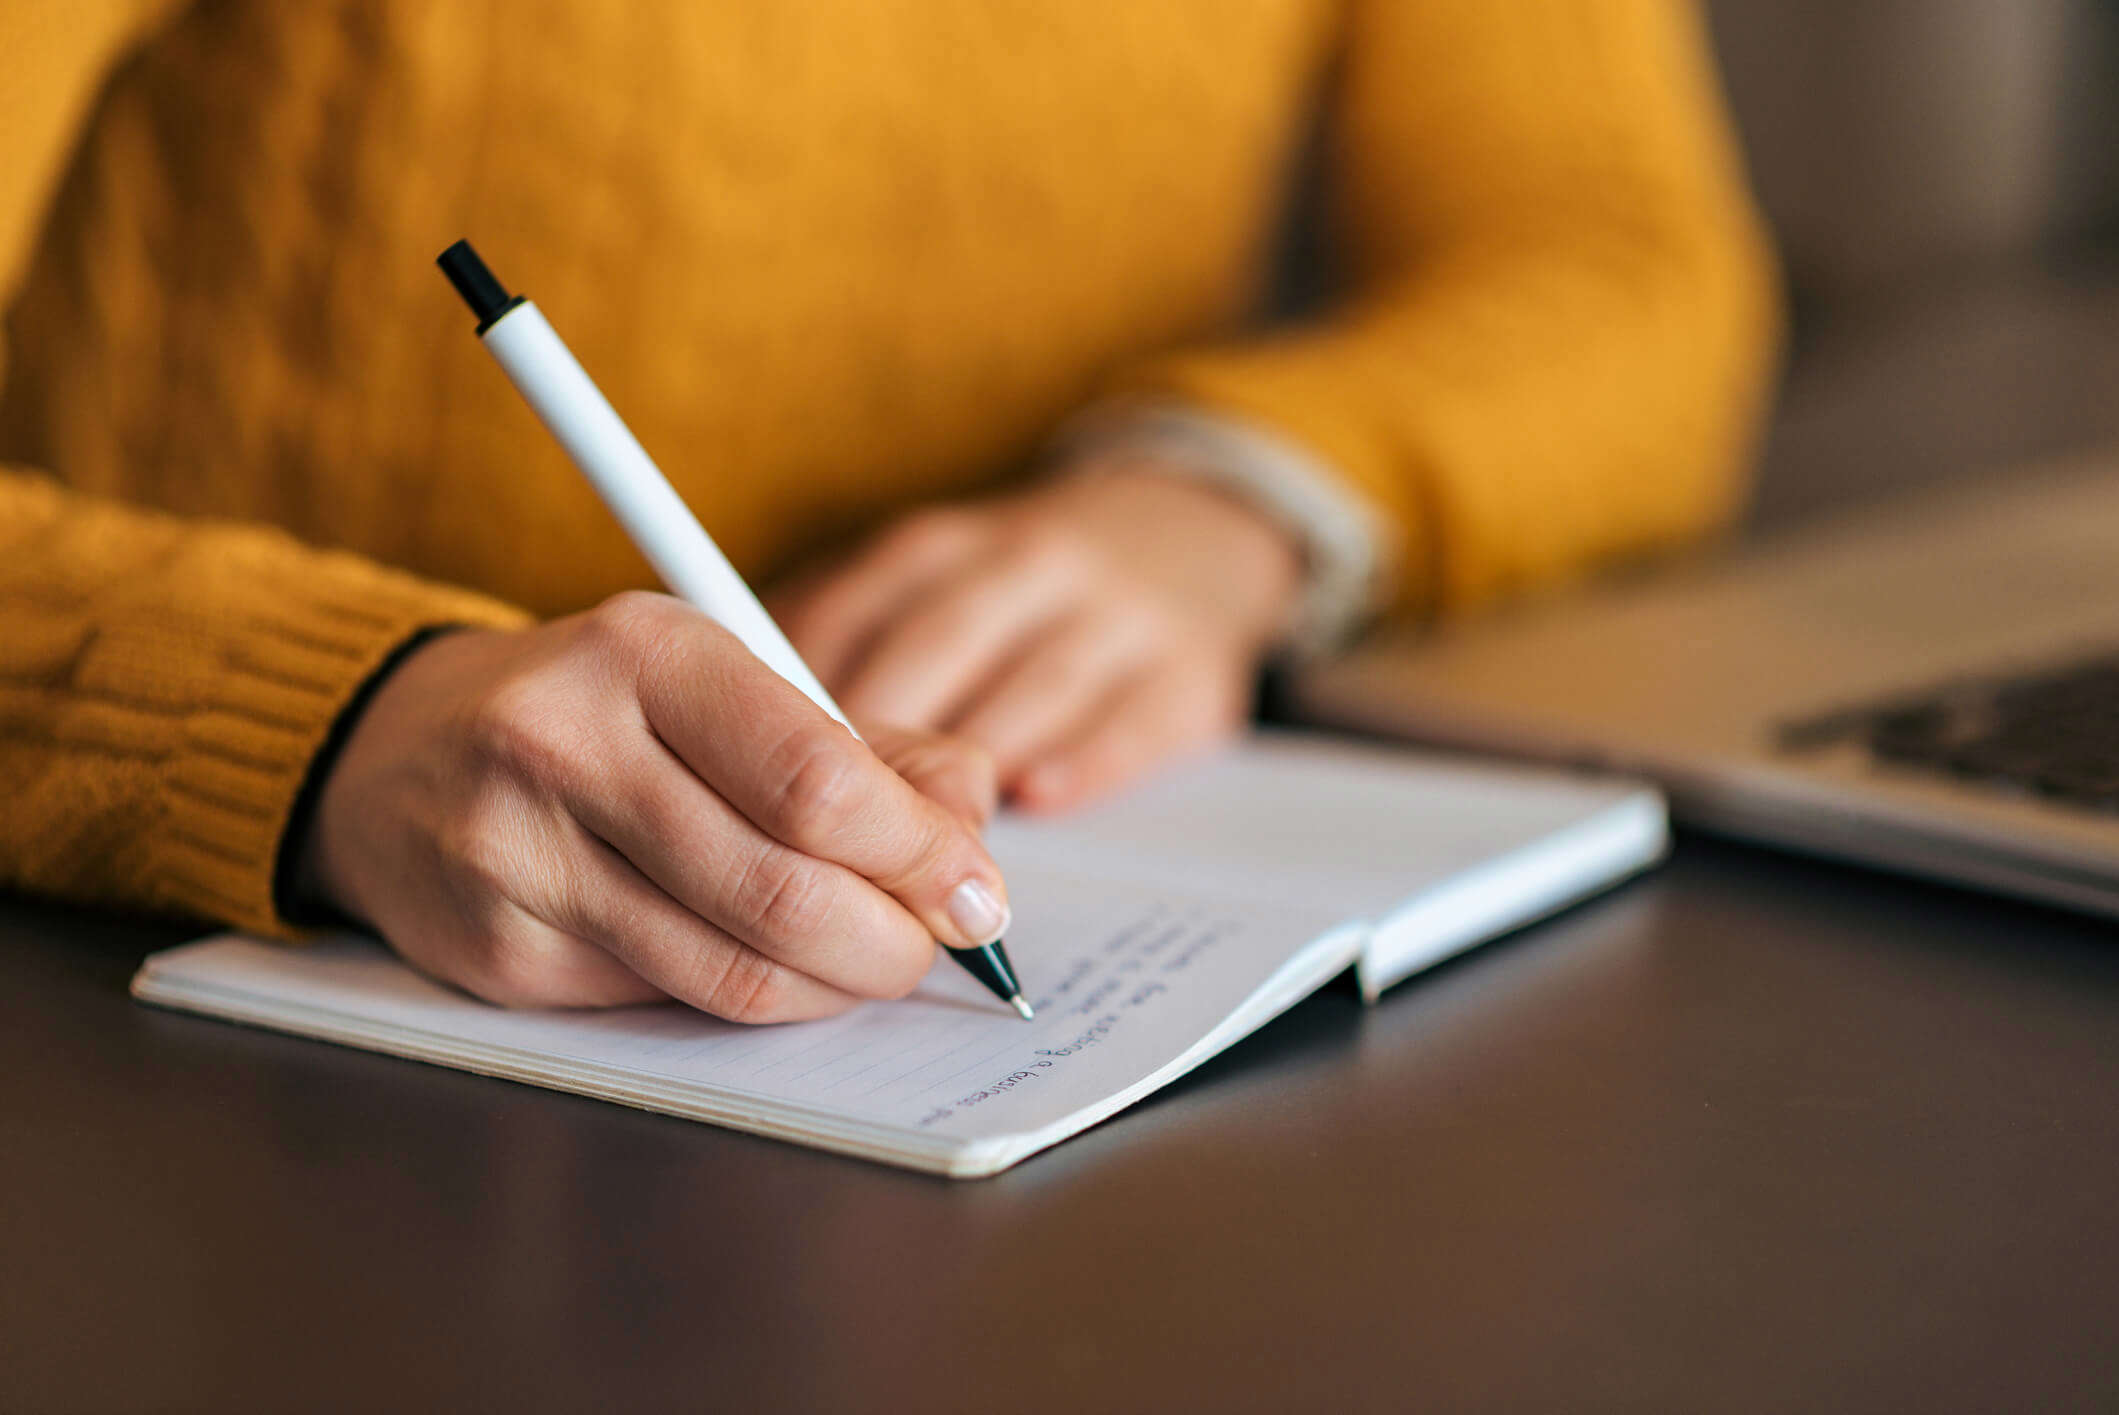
x: 922, y: 665
x: 955, y: 774
x: 1045, y: 697
x: 1156, y: 719
x: 523, y: 961
x: 833, y: 618
x: 810, y: 784
x: 739, y: 886
x: 625, y: 914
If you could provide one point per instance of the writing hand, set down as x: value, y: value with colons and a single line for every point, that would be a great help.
x: 626, y: 805
x: 1082, y: 633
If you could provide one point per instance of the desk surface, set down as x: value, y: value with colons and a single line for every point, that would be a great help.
x: 1754, y: 1133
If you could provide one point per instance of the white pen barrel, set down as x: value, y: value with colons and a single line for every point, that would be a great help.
x: 568, y: 402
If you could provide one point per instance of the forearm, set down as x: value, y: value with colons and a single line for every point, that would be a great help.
x: 164, y: 686
x: 1526, y: 414
x: 1561, y: 315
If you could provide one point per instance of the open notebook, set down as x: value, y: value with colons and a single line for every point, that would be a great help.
x: 1150, y: 934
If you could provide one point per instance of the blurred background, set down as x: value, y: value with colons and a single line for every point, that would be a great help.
x: 1943, y: 177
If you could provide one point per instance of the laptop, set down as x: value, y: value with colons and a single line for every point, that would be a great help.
x: 1930, y: 686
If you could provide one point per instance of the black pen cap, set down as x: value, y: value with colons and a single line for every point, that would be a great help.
x: 484, y: 293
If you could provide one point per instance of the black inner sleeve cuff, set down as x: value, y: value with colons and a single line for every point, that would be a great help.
x: 307, y: 912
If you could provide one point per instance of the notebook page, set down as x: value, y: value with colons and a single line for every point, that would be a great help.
x: 1126, y: 979
x: 1349, y: 827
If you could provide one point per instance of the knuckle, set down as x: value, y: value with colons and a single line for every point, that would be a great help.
x: 629, y: 611
x: 660, y: 812
x: 968, y: 766
x: 781, y: 896
x: 960, y: 773
x: 477, y: 847
x: 935, y: 626
x: 744, y: 987
x: 515, y: 727
x: 1053, y: 549
x: 932, y: 530
x: 631, y: 624
x: 819, y: 790
x: 512, y: 971
x: 954, y: 753
x: 1147, y: 624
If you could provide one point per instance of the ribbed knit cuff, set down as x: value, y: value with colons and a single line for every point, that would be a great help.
x: 284, y: 677
x: 1348, y: 549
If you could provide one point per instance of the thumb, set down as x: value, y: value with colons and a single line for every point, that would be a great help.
x: 949, y: 771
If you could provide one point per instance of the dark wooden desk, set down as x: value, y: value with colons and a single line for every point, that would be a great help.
x: 1752, y: 1134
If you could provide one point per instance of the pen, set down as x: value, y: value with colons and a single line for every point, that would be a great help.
x: 575, y: 411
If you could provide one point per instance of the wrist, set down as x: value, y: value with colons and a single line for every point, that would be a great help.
x: 1347, y: 549
x: 303, y: 889
x: 1218, y: 548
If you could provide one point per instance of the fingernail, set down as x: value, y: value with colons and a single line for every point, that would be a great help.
x: 974, y: 909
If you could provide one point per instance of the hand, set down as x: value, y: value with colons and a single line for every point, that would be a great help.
x: 627, y: 805
x: 1082, y: 633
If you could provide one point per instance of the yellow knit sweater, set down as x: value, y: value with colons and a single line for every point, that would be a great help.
x: 830, y: 258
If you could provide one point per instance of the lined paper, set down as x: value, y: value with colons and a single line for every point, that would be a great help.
x: 1125, y: 980
x: 1150, y: 932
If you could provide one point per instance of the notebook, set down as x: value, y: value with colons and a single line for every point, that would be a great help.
x: 1150, y: 933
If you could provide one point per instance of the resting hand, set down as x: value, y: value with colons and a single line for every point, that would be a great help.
x: 1081, y: 633
x: 627, y: 805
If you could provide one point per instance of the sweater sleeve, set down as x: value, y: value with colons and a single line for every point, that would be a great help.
x: 1561, y: 313
x: 164, y: 683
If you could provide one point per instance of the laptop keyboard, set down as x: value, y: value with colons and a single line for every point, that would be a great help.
x: 2053, y: 732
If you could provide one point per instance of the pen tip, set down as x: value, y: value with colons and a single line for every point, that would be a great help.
x: 1022, y: 1007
